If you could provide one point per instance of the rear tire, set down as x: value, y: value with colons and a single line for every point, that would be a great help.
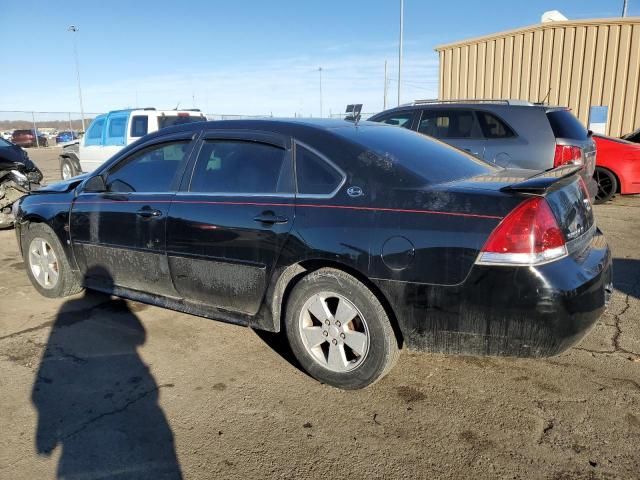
x: 46, y: 263
x: 339, y: 331
x: 607, y: 185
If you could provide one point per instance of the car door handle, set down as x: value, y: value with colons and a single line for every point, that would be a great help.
x: 270, y: 218
x: 147, y: 212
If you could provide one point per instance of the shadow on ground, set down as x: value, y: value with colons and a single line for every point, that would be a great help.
x: 97, y: 400
x: 626, y: 276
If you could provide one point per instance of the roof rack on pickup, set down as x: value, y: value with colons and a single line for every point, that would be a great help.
x: 472, y: 100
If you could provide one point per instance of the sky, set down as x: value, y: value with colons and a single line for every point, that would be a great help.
x: 244, y: 56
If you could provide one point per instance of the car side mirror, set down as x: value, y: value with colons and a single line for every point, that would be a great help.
x: 95, y: 185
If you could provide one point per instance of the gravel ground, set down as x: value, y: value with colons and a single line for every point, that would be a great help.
x: 94, y: 387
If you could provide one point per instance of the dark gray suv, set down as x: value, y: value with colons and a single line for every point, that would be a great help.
x: 509, y: 133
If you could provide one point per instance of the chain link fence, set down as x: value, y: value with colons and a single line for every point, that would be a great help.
x: 49, y: 124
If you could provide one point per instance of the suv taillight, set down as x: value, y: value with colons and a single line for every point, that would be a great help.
x: 529, y: 235
x: 567, y: 154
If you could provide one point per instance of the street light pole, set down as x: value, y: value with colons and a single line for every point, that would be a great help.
x: 400, y: 48
x: 624, y: 8
x: 384, y: 101
x: 320, y: 71
x: 74, y: 29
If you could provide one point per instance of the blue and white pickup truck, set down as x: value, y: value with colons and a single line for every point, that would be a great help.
x: 111, y: 132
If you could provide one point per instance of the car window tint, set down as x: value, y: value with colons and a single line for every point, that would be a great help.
x: 493, y: 127
x: 315, y: 176
x: 94, y: 134
x: 116, y: 129
x: 239, y: 167
x: 139, y: 125
x: 151, y: 170
x: 4, y: 143
x: 565, y: 125
x: 399, y: 119
x: 447, y: 123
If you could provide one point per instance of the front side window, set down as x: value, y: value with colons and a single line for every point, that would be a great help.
x: 239, y: 167
x: 139, y: 126
x: 447, y: 124
x: 94, y: 134
x: 493, y: 127
x: 314, y: 175
x: 399, y: 119
x: 116, y: 130
x: 4, y: 143
x: 151, y: 170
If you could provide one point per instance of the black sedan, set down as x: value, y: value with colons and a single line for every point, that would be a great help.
x: 355, y: 239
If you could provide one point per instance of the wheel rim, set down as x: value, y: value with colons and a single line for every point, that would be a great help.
x: 334, y: 332
x: 66, y: 171
x: 43, y: 263
x: 605, y: 185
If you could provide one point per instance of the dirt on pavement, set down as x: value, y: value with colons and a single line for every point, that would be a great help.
x: 95, y: 386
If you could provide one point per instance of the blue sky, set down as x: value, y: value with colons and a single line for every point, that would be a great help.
x: 242, y: 56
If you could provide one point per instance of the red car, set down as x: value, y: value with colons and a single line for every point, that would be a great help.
x: 617, y: 167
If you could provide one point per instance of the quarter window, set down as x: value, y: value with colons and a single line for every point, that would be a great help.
x: 447, y: 124
x: 240, y: 167
x: 94, y: 134
x: 139, y: 126
x: 151, y: 170
x: 493, y: 127
x: 315, y: 176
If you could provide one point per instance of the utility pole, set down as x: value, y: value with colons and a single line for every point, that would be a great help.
x: 320, y: 72
x: 624, y: 8
x: 400, y: 49
x: 74, y: 29
x: 384, y: 103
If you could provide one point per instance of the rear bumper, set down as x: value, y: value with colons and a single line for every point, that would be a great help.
x: 511, y: 311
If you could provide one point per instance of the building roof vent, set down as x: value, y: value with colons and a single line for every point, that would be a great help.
x: 553, y: 16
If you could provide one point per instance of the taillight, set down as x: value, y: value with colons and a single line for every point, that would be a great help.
x: 567, y: 154
x: 529, y: 235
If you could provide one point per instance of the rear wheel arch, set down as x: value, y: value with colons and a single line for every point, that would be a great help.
x: 295, y: 272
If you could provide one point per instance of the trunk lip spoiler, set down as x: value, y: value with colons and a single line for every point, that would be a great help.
x: 543, y: 181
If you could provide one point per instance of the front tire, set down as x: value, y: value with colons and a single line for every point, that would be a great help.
x: 607, y: 185
x: 67, y: 170
x: 339, y: 331
x: 46, y: 263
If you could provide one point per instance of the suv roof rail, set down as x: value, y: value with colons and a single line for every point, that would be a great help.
x: 192, y: 109
x: 502, y: 101
x: 149, y: 108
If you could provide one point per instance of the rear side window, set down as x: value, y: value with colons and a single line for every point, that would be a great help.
x: 565, y: 125
x: 447, y: 124
x: 139, y: 126
x: 399, y: 119
x: 493, y: 127
x: 314, y: 175
x: 94, y: 134
x: 238, y: 167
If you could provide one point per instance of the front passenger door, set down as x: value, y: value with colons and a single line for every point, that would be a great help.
x: 118, y: 236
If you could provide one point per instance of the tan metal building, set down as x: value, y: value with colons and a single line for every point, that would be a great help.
x: 579, y: 64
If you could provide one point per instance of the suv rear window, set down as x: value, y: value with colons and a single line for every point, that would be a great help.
x: 565, y: 125
x: 171, y: 120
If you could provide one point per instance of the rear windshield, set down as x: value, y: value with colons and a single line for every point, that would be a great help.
x: 171, y: 120
x: 565, y: 125
x: 23, y: 132
x: 419, y: 156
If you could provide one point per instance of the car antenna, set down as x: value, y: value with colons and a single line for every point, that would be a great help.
x: 545, y: 98
x: 353, y: 113
x: 177, y: 106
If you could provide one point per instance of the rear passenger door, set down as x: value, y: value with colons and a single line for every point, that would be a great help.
x: 115, y: 134
x: 457, y: 127
x: 227, y: 226
x: 503, y: 146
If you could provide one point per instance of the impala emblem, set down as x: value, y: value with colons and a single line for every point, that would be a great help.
x: 355, y: 192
